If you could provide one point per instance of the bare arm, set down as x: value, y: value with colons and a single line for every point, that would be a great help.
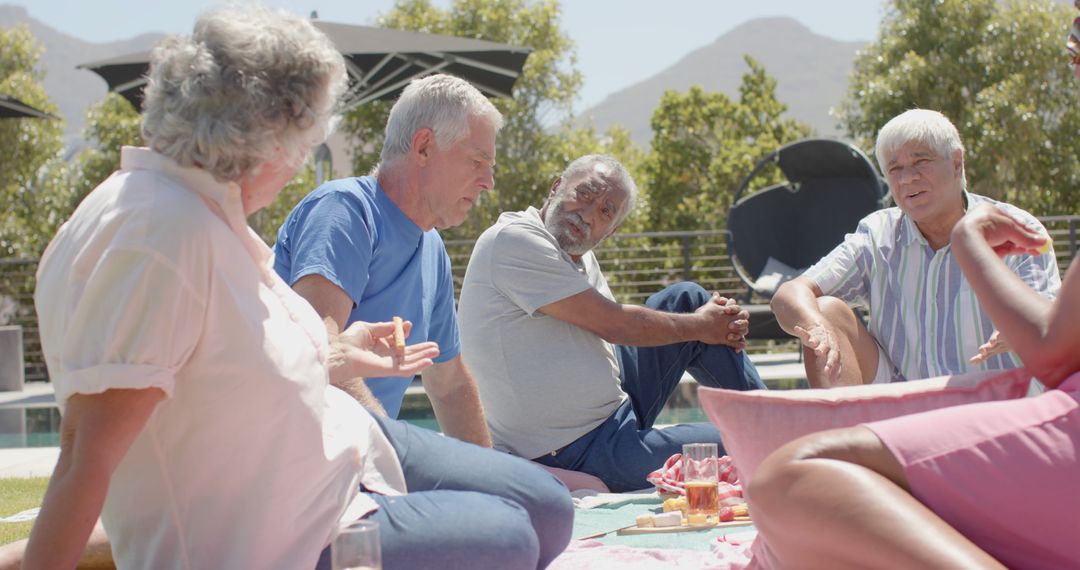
x: 796, y: 308
x: 634, y: 325
x: 96, y: 433
x: 795, y: 304
x: 334, y: 305
x: 452, y: 391
x: 1044, y: 333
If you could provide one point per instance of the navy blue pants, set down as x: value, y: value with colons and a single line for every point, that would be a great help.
x: 626, y: 447
x: 467, y: 508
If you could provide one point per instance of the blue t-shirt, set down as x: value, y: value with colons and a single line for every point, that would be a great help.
x: 350, y: 232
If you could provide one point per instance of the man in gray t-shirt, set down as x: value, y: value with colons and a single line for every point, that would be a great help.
x: 567, y: 375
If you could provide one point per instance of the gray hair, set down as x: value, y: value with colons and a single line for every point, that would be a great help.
x: 924, y: 126
x: 442, y: 103
x: 618, y: 174
x: 247, y: 84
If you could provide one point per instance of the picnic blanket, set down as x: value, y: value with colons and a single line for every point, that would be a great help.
x: 712, y: 549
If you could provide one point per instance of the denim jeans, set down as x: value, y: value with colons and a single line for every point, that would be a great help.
x: 626, y: 447
x: 467, y: 507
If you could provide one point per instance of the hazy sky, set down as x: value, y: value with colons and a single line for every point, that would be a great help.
x: 655, y: 33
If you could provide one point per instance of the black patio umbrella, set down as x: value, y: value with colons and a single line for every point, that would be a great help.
x: 381, y: 61
x: 12, y: 108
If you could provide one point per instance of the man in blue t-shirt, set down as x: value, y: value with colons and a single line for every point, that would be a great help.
x: 366, y: 248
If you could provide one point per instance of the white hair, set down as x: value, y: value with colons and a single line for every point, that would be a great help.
x: 442, y: 103
x: 249, y: 83
x: 617, y: 172
x: 923, y: 126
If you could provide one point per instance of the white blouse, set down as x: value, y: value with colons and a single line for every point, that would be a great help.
x: 251, y: 460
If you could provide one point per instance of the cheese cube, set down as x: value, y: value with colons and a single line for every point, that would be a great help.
x: 674, y: 518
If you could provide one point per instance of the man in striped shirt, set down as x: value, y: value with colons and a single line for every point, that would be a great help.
x: 924, y: 319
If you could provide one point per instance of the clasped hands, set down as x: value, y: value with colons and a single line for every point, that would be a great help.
x: 726, y: 322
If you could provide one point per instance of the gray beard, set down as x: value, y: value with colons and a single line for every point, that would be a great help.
x: 566, y: 240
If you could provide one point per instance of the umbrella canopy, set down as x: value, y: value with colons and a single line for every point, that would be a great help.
x: 12, y: 108
x: 380, y: 61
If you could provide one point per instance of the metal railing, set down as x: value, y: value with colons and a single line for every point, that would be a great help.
x: 636, y: 266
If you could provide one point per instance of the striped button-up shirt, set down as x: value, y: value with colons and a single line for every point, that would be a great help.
x: 922, y: 311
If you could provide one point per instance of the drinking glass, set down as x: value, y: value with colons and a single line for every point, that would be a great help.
x: 357, y: 547
x: 700, y: 479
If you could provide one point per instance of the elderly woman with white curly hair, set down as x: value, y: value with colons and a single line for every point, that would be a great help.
x: 198, y: 420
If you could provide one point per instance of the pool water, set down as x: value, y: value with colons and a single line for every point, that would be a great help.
x: 670, y: 415
x: 39, y: 425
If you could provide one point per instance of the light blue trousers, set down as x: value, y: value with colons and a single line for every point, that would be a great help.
x: 467, y: 508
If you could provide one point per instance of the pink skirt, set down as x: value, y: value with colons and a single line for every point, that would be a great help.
x: 1004, y: 474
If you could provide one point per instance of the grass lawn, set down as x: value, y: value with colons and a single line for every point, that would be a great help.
x: 17, y: 495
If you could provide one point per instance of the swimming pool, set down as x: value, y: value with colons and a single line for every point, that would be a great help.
x: 38, y: 424
x: 29, y: 426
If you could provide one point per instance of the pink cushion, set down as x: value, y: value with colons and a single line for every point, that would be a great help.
x: 754, y: 424
x: 575, y: 480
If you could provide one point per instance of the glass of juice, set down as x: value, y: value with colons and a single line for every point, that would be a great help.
x: 700, y: 476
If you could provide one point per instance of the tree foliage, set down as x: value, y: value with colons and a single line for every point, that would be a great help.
x: 538, y: 140
x: 704, y: 143
x: 999, y: 71
x: 110, y: 125
x: 32, y: 198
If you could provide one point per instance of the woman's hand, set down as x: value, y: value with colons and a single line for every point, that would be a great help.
x: 367, y: 349
x: 1004, y: 233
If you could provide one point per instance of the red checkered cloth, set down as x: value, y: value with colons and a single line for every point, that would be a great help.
x: 669, y: 479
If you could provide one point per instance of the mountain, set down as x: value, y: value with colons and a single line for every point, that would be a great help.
x: 811, y: 72
x: 73, y: 90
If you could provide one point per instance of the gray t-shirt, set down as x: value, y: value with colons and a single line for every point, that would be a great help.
x: 543, y: 382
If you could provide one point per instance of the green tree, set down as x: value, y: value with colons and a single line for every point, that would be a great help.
x: 538, y: 140
x: 704, y: 143
x: 33, y: 201
x: 110, y: 124
x: 999, y: 71
x: 266, y: 221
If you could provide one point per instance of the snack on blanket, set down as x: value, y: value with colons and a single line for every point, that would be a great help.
x: 645, y: 521
x: 675, y: 504
x: 399, y: 337
x: 667, y: 519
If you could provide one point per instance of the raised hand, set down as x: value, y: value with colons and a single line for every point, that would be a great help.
x: 368, y: 348
x: 1004, y: 233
